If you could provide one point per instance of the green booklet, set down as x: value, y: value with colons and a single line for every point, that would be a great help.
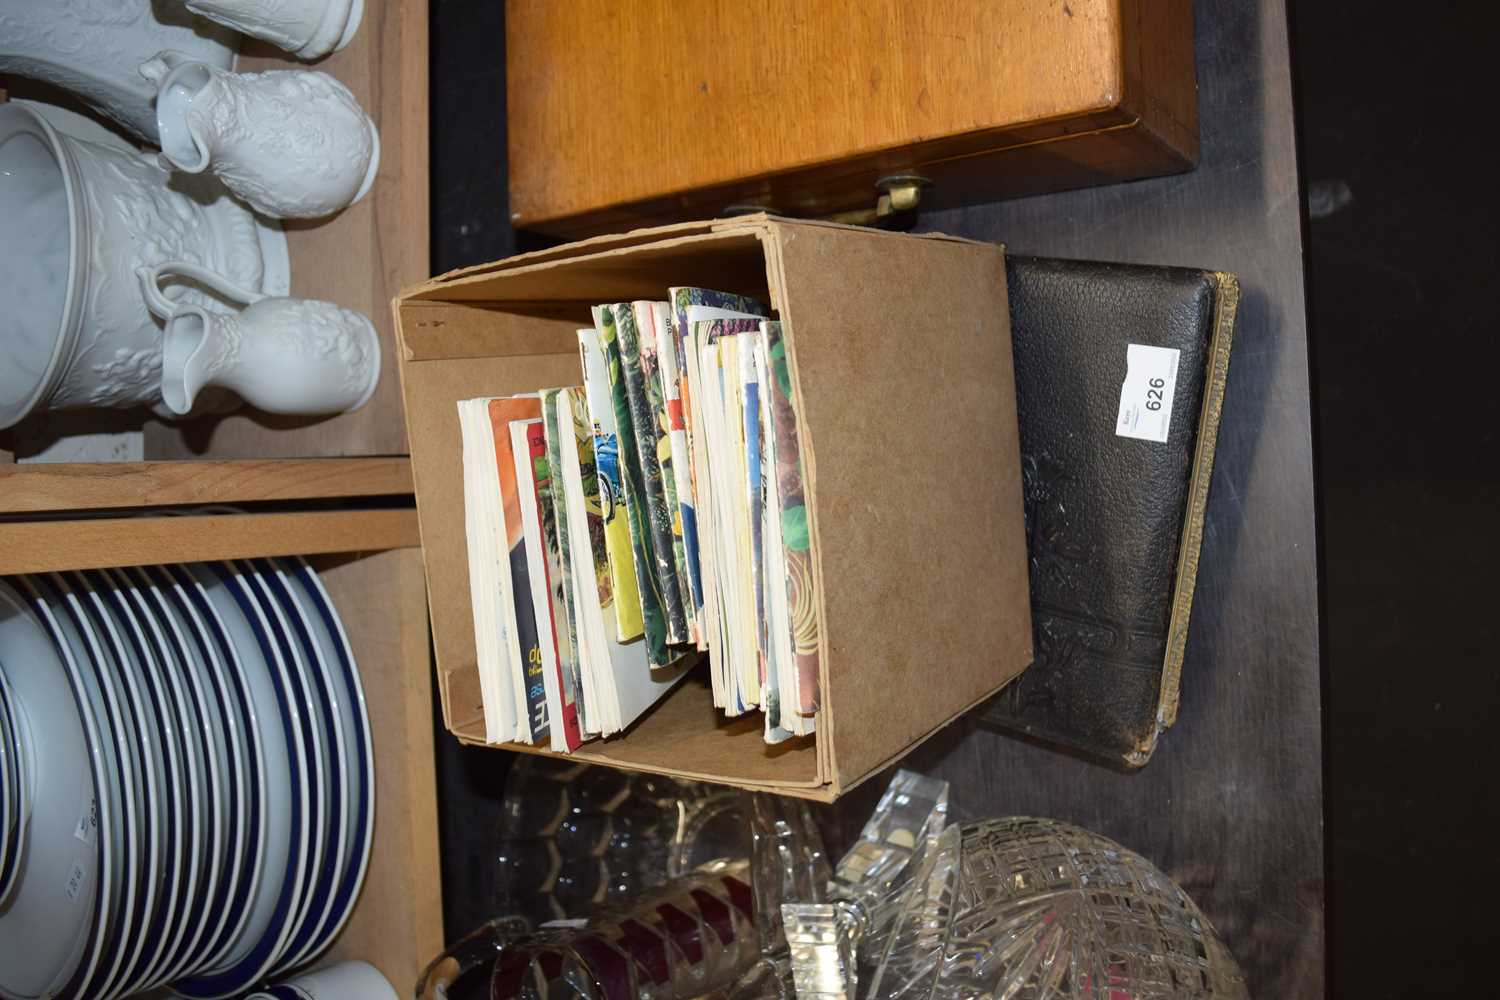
x: 653, y: 322
x: 653, y: 605
x: 557, y: 419
x: 659, y: 516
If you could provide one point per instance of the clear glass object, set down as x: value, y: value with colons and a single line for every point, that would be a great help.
x: 1034, y: 909
x: 917, y: 909
x: 574, y: 838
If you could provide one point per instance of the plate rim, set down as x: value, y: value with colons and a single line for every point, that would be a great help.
x: 147, y: 848
x: 349, y: 889
x: 36, y: 602
x: 128, y: 603
x: 245, y: 822
x: 114, y: 683
x: 16, y: 796
x: 320, y: 897
x: 254, y: 964
x: 215, y: 784
x: 312, y: 697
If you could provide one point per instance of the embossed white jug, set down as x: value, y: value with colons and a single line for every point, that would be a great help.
x: 280, y: 354
x: 94, y: 48
x: 80, y: 216
x: 293, y: 143
x: 308, y: 29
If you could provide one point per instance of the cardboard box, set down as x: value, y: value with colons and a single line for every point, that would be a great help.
x: 901, y: 358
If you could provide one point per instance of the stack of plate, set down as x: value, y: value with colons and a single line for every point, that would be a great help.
x: 188, y: 779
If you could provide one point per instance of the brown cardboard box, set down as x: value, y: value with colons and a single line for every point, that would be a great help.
x: 901, y: 358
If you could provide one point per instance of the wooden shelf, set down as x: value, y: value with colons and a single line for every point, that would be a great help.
x: 90, y: 543
x: 57, y: 517
x: 28, y: 489
x: 397, y: 925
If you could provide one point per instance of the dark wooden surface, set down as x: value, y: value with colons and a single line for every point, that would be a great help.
x: 1231, y: 804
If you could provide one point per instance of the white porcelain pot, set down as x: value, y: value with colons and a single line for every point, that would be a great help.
x: 293, y: 143
x: 309, y: 29
x: 94, y: 48
x: 81, y: 217
x: 281, y: 355
x: 342, y: 981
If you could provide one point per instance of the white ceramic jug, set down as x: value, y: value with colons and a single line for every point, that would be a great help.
x: 94, y: 48
x: 280, y: 354
x: 293, y: 143
x: 308, y: 29
x: 80, y: 217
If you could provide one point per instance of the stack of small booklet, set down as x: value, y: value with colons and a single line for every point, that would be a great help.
x: 619, y: 528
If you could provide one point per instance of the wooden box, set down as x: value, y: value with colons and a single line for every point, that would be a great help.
x: 901, y: 362
x: 655, y: 110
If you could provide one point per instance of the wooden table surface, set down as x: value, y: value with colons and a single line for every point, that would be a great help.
x: 1231, y: 804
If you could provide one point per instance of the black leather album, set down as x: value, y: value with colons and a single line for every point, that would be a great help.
x: 1120, y: 373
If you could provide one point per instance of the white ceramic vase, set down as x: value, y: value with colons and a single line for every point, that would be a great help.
x: 342, y: 981
x: 308, y: 29
x: 81, y: 216
x: 292, y: 143
x: 94, y: 48
x: 279, y: 354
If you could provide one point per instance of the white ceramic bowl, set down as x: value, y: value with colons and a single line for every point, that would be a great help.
x: 341, y: 981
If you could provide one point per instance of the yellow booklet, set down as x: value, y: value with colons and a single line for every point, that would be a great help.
x: 624, y: 591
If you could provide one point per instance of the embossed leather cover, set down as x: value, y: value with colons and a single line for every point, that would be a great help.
x: 1113, y: 523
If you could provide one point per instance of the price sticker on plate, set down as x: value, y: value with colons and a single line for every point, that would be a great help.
x: 87, y: 828
x: 1146, y: 396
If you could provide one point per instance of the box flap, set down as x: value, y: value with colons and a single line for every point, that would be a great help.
x: 903, y: 383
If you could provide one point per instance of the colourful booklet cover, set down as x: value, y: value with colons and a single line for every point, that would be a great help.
x: 489, y: 575
x: 522, y: 623
x: 659, y: 517
x: 648, y: 584
x: 719, y: 465
x: 755, y: 492
x: 550, y: 612
x: 771, y: 594
x: 674, y: 419
x: 593, y: 498
x: 549, y: 487
x: 796, y: 536
x: 655, y: 329
x: 622, y: 683
x: 737, y: 475
x: 624, y: 594
x: 677, y: 359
